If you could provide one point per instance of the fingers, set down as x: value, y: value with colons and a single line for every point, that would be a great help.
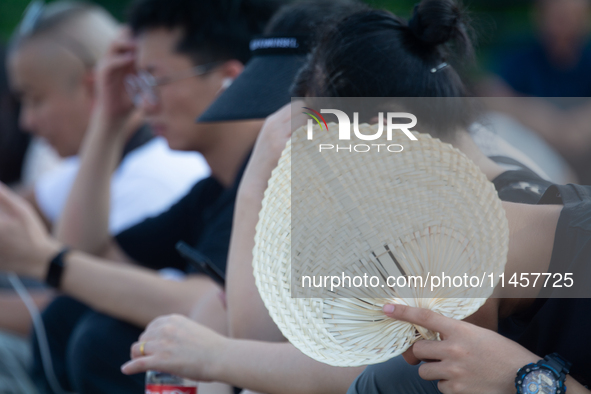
x: 150, y: 337
x: 431, y: 350
x: 410, y: 357
x: 422, y: 317
x: 433, y: 370
x: 123, y: 63
x: 142, y: 364
x: 136, y: 349
x: 123, y: 43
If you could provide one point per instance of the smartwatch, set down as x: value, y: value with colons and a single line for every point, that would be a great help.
x: 547, y: 376
x: 56, y: 269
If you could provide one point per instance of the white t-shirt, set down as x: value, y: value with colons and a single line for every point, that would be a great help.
x: 148, y: 181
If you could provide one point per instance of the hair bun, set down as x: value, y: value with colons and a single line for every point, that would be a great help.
x: 435, y: 22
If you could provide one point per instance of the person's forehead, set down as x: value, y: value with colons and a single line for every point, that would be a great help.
x: 156, y: 49
x: 39, y: 64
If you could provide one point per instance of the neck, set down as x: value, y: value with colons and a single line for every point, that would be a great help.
x: 467, y: 146
x: 234, y: 142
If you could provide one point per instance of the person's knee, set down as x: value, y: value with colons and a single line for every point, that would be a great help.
x: 98, y: 347
x: 393, y: 376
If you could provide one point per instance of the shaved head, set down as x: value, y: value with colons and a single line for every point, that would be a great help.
x: 82, y: 29
x: 51, y: 63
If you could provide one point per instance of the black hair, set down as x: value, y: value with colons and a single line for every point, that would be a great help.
x: 311, y: 17
x: 212, y: 30
x: 373, y: 53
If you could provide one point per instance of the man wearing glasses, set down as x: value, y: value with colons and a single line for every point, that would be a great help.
x: 179, y: 56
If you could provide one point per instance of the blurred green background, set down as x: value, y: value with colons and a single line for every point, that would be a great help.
x: 499, y: 24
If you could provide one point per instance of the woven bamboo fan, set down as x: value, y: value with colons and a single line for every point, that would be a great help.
x: 425, y: 211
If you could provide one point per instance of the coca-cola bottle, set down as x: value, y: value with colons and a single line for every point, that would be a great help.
x: 165, y: 383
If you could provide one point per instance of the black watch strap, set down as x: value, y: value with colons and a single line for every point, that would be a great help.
x: 556, y: 362
x: 56, y: 269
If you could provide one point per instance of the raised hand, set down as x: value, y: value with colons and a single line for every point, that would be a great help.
x: 113, y: 100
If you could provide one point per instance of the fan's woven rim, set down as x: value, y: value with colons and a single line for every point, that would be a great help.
x: 301, y: 309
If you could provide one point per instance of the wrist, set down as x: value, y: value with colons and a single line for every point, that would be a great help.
x: 219, y: 361
x: 542, y: 374
x: 41, y: 259
x: 108, y: 123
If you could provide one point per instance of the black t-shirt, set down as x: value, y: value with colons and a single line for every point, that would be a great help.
x: 202, y: 218
x: 562, y: 325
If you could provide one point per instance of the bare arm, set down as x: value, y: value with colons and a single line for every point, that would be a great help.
x: 84, y: 223
x: 531, y: 239
x: 281, y: 368
x: 247, y: 315
x: 265, y: 367
x: 127, y: 292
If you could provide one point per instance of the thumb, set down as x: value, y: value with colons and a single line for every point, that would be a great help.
x: 138, y: 365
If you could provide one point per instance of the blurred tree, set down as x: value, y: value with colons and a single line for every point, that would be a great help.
x: 11, y: 12
x: 497, y: 23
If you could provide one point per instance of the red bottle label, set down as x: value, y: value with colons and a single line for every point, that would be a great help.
x: 166, y: 389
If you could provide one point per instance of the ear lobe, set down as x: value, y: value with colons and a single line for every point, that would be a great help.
x: 233, y: 68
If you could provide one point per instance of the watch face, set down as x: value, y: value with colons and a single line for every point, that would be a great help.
x: 541, y: 381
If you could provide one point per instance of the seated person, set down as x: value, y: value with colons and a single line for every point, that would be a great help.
x: 51, y: 65
x: 51, y: 68
x: 184, y: 60
x: 279, y: 367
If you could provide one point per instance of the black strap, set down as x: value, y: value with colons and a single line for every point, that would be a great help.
x: 568, y: 195
x: 56, y: 269
x: 557, y: 362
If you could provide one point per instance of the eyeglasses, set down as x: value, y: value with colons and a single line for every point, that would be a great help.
x: 143, y: 85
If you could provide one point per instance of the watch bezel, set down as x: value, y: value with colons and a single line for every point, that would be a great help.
x: 532, y: 367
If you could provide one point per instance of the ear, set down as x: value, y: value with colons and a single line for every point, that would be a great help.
x: 231, y: 69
